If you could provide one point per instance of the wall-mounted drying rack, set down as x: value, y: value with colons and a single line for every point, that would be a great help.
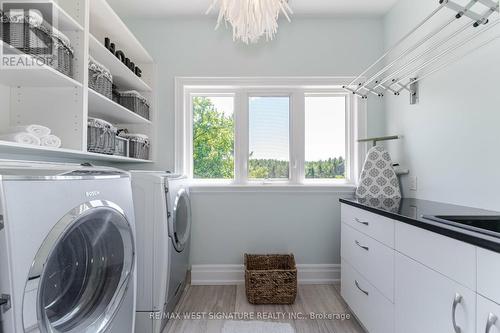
x: 407, y: 68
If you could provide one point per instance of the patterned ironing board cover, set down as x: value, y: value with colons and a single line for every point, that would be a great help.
x: 379, y: 183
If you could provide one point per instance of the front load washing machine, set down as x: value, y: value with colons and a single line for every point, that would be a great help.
x: 163, y: 222
x: 67, y: 253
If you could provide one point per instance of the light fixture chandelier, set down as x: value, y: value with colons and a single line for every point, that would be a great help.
x: 252, y: 19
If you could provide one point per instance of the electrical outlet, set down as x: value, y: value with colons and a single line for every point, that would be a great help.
x: 413, y: 211
x: 413, y: 183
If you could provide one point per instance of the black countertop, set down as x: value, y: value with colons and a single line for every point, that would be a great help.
x: 411, y: 211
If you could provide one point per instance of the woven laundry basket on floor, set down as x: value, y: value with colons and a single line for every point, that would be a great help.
x: 270, y: 279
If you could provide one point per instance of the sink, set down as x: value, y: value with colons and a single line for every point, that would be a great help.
x: 489, y: 225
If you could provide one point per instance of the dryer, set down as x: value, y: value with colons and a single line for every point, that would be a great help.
x: 163, y: 215
x: 67, y: 252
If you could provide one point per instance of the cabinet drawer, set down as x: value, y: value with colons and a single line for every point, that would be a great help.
x: 375, y: 312
x: 488, y: 316
x: 452, y: 258
x: 488, y: 274
x: 373, y: 225
x: 372, y: 259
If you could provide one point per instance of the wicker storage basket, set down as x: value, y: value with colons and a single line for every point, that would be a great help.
x: 138, y: 145
x: 101, y: 137
x: 270, y: 279
x: 116, y: 94
x: 121, y: 146
x: 100, y: 79
x: 135, y: 102
x: 64, y: 55
x: 30, y: 34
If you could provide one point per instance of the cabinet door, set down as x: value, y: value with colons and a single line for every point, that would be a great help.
x: 428, y: 302
x: 488, y: 316
x: 488, y: 274
x: 448, y: 256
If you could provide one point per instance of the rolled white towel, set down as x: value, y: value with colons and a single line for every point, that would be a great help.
x: 51, y: 141
x: 37, y: 130
x: 21, y: 137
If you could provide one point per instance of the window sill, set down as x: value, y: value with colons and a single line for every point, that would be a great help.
x: 228, y: 187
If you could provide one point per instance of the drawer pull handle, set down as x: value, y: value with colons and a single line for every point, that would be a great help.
x: 360, y: 289
x: 361, y: 222
x: 457, y: 300
x: 361, y: 246
x: 492, y: 320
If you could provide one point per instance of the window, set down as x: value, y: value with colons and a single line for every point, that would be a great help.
x: 267, y: 131
x: 325, y: 137
x: 213, y: 137
x: 269, y: 134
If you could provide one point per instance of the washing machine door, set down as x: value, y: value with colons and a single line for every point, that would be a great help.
x: 180, y: 220
x: 81, y: 272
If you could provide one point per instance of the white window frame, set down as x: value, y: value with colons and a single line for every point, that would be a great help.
x: 349, y: 138
x: 267, y: 92
x: 243, y: 88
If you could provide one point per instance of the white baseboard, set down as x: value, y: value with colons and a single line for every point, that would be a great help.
x: 205, y: 275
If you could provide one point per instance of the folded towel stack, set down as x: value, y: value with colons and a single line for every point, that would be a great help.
x: 37, y: 130
x: 21, y: 137
x: 50, y: 141
x: 36, y: 135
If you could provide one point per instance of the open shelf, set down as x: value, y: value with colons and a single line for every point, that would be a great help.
x: 18, y: 148
x: 64, y: 21
x: 39, y: 94
x: 123, y: 77
x: 36, y: 76
x: 104, y: 22
x: 102, y: 107
x: 114, y: 158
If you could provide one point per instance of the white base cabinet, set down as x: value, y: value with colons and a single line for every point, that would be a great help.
x: 398, y: 278
x: 488, y: 316
x: 450, y: 257
x: 372, y: 308
x: 372, y: 259
x: 427, y: 301
x: 368, y: 268
x: 488, y: 274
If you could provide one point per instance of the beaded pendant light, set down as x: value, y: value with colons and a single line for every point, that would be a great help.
x: 251, y: 19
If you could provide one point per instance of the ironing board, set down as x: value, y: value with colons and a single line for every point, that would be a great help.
x: 379, y: 183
